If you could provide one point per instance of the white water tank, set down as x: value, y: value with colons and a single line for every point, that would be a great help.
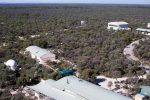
x: 148, y: 25
x: 83, y: 23
x: 12, y: 64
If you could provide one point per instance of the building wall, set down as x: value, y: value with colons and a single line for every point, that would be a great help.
x: 37, y: 58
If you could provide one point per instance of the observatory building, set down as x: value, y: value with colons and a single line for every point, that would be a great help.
x: 11, y: 64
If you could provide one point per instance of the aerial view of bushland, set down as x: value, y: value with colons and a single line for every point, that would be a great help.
x: 92, y: 48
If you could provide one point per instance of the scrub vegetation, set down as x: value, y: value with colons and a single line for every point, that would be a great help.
x: 143, y: 51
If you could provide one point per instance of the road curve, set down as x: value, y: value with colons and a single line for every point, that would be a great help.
x: 129, y: 53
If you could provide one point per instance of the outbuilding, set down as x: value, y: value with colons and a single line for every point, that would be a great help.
x: 145, y: 90
x: 144, y: 93
x: 118, y: 25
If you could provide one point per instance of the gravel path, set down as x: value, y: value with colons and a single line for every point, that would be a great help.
x: 128, y: 51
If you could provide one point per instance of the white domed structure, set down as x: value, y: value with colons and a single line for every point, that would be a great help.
x: 83, y: 23
x: 12, y: 64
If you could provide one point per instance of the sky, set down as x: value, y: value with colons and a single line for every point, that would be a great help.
x: 79, y: 1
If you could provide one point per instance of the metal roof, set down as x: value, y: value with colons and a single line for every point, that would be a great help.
x: 39, y: 52
x: 118, y: 23
x: 145, y: 90
x: 47, y: 89
x: 143, y: 29
x: 73, y: 88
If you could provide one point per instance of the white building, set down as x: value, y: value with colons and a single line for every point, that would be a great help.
x: 73, y: 88
x: 120, y: 25
x: 11, y: 64
x: 42, y: 55
x: 143, y: 31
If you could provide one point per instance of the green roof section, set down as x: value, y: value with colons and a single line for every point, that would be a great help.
x: 66, y: 72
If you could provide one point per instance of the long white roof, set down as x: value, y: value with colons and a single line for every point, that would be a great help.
x: 118, y: 23
x: 143, y: 29
x: 73, y: 88
x: 39, y: 52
